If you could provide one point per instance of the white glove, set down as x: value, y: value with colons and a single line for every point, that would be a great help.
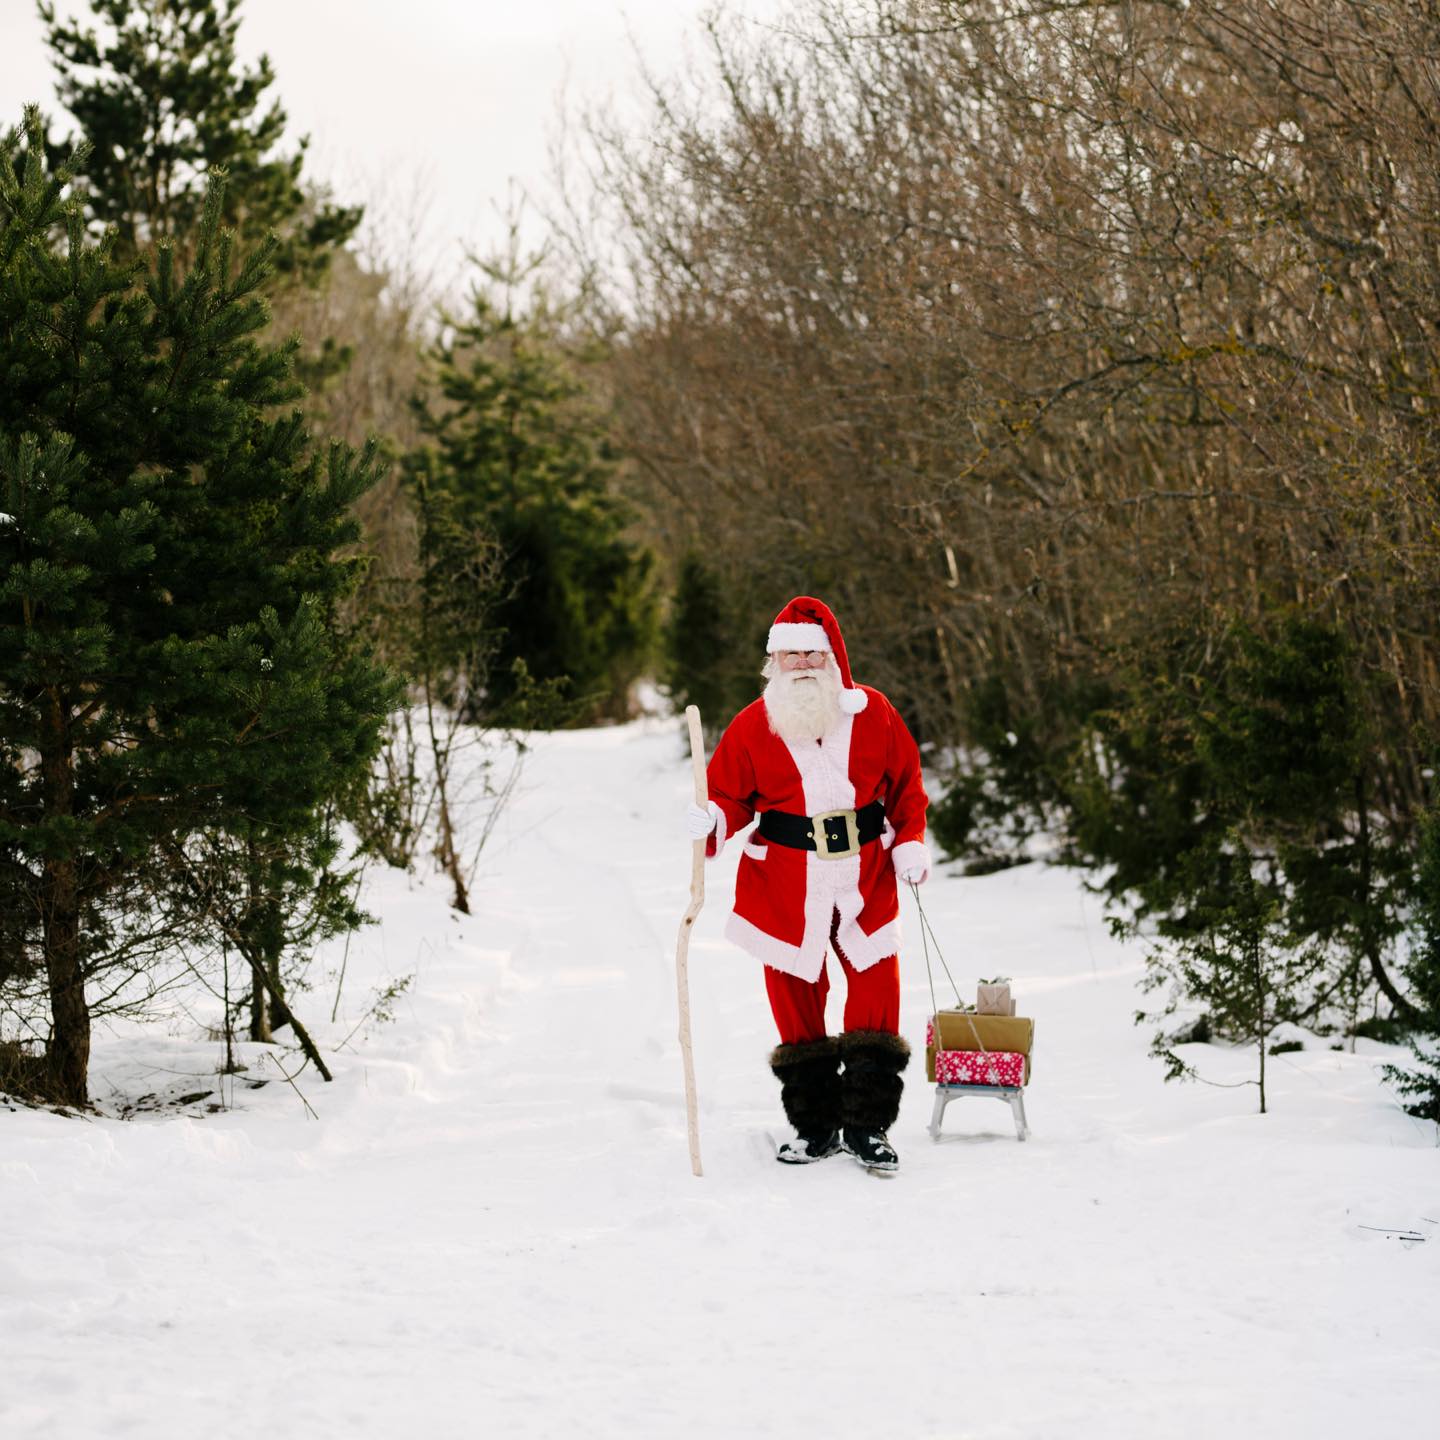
x: 699, y: 821
x: 912, y: 863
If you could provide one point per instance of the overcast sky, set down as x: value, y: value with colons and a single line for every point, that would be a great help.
x: 470, y: 89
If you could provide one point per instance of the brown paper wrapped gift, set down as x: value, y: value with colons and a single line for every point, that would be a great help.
x: 994, y: 999
x: 964, y: 1030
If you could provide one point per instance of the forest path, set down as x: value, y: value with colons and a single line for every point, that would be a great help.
x: 492, y: 1227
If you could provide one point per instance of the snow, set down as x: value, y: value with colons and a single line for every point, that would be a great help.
x: 492, y: 1229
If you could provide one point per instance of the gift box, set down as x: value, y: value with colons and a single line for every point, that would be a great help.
x: 972, y: 1067
x: 994, y: 999
x: 964, y: 1030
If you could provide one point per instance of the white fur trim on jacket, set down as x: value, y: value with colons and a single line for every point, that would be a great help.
x: 861, y: 950
x: 794, y: 635
x: 776, y: 953
x: 718, y: 834
x: 911, y: 853
x: 883, y: 943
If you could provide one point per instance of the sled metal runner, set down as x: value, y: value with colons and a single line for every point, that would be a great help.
x: 1012, y: 1095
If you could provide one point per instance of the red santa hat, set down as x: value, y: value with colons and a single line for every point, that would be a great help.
x: 808, y: 624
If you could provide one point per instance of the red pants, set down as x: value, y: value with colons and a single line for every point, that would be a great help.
x: 872, y: 997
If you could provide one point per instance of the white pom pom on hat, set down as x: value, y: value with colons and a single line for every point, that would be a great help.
x: 809, y: 624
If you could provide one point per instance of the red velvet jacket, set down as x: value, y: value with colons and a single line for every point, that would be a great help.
x: 784, y: 897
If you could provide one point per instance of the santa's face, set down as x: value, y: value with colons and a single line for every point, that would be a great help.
x: 802, y: 696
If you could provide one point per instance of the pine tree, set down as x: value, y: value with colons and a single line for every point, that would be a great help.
x: 160, y: 95
x: 158, y: 90
x: 515, y: 441
x: 1261, y: 730
x: 1420, y: 1084
x: 171, y: 667
x: 1232, y: 950
x: 699, y: 640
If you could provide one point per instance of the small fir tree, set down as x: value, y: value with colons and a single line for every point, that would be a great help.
x: 514, y: 439
x: 269, y: 894
x: 1232, y: 952
x: 169, y: 563
x: 1420, y: 1084
x: 700, y: 646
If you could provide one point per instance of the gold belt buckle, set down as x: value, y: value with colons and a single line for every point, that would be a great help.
x: 822, y: 841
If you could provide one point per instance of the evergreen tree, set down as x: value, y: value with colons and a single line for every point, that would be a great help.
x: 444, y: 632
x: 1229, y: 947
x: 169, y: 565
x: 1420, y: 1085
x: 159, y: 91
x: 702, y: 646
x: 160, y: 95
x: 269, y: 893
x: 1018, y: 781
x: 1198, y: 735
x: 514, y: 440
x: 1259, y: 731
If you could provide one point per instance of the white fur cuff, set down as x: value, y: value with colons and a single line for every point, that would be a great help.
x: 793, y: 635
x: 718, y: 834
x: 911, y: 855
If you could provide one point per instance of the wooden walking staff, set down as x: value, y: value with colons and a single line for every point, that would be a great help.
x: 682, y: 945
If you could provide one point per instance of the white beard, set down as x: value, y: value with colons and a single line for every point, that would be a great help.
x: 803, y: 704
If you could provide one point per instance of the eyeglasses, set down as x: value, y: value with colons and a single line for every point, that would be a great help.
x: 802, y: 659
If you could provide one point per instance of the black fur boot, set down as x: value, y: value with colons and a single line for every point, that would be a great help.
x: 870, y: 1094
x: 809, y: 1076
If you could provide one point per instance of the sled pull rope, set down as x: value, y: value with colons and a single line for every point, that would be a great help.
x: 926, y: 931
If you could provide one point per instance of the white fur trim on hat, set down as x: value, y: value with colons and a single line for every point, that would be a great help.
x: 793, y: 635
x: 852, y: 702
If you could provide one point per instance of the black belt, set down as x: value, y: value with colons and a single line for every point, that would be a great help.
x: 843, y: 831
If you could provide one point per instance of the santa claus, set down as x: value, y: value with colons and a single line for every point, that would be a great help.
x: 834, y: 777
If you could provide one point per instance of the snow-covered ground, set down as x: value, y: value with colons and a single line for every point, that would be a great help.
x: 491, y: 1228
